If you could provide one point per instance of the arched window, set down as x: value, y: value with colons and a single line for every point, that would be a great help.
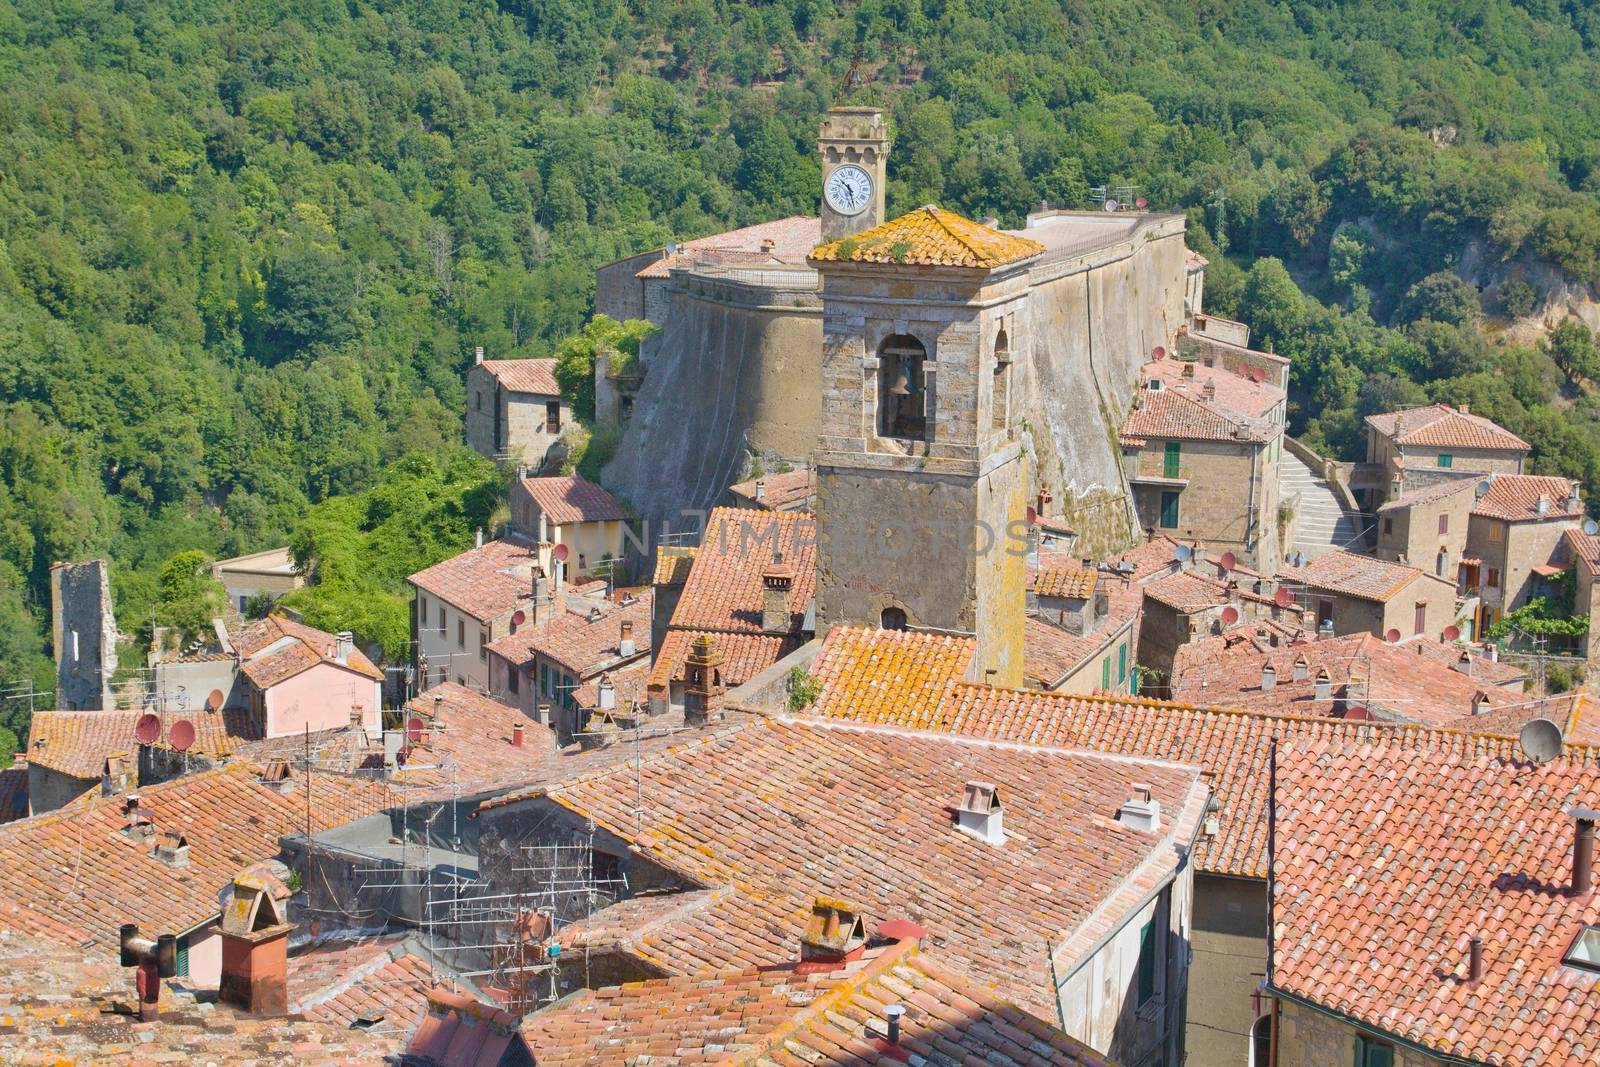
x: 1000, y: 397
x: 893, y: 619
x: 1261, y: 1041
x: 902, y: 388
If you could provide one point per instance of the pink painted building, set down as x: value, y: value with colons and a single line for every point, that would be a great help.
x: 299, y: 677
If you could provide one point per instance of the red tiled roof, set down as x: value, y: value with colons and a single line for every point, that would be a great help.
x: 1584, y: 546
x: 1068, y: 583
x: 341, y: 981
x: 1346, y: 573
x: 1050, y: 654
x: 483, y: 582
x: 277, y: 648
x: 1426, y: 494
x: 573, y: 499
x: 524, y: 375
x: 757, y: 806
x: 791, y: 239
x: 880, y: 675
x: 930, y: 237
x: 1233, y: 394
x: 1515, y: 498
x: 473, y: 733
x: 78, y: 867
x: 743, y: 655
x: 779, y: 1014
x: 1442, y: 426
x: 76, y: 743
x: 1574, y: 713
x: 780, y: 491
x: 1151, y: 557
x: 1168, y: 414
x: 1387, y: 863
x: 724, y: 591
x: 672, y: 564
x: 584, y: 639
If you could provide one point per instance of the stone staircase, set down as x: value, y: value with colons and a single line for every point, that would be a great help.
x: 1321, y: 522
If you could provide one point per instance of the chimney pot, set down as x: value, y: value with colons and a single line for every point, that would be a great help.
x: 1475, y: 959
x: 477, y: 354
x: 893, y: 1014
x: 1583, y: 849
x: 625, y: 645
x: 516, y: 735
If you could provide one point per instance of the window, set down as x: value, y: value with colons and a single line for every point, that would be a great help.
x: 1122, y: 663
x: 422, y: 613
x: 461, y: 633
x: 1497, y: 532
x: 483, y: 639
x: 513, y: 679
x: 1147, y: 963
x: 1171, y: 459
x: 443, y: 624
x: 1388, y: 524
x: 1444, y: 525
x: 552, y: 416
x: 1324, y: 611
x: 1373, y: 1053
x: 1493, y: 581
x: 1446, y: 460
x: 1585, y: 949
x: 1105, y: 673
x: 1000, y: 399
x: 183, y: 957
x: 477, y: 399
x: 1169, y: 511
x: 902, y: 388
x: 1419, y: 619
x: 583, y: 561
x: 892, y: 619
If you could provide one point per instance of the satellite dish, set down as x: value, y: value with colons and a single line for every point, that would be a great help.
x: 1591, y: 527
x: 1257, y: 374
x: 1141, y: 203
x: 1393, y: 636
x: 147, y: 729
x: 181, y: 736
x: 1452, y: 632
x: 1183, y: 553
x: 214, y: 701
x: 1033, y: 516
x: 1541, y: 739
x: 518, y: 618
x: 1230, y: 615
x: 1484, y: 487
x: 414, y: 728
x: 402, y: 756
x: 1283, y: 598
x: 1229, y: 561
x: 1159, y: 352
x: 1358, y: 712
x: 559, y: 552
x: 1112, y: 205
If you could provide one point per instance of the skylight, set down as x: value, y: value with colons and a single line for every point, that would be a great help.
x: 1585, y: 950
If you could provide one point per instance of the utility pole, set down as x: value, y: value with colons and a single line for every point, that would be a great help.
x: 1219, y: 226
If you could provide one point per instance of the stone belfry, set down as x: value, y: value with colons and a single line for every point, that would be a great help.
x: 854, y: 145
x: 921, y: 482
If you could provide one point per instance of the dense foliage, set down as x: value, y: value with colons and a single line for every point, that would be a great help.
x: 246, y: 248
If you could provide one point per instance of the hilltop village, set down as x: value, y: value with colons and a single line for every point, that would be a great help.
x: 957, y: 663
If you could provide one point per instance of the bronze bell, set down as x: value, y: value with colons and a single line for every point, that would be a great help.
x: 903, y: 386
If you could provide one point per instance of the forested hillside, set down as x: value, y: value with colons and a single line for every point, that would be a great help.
x: 246, y: 248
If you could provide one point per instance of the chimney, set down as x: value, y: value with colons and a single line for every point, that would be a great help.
x: 1480, y: 702
x: 477, y: 354
x: 981, y: 814
x: 1464, y: 664
x: 156, y: 959
x: 835, y: 934
x: 1464, y: 409
x: 1143, y: 812
x: 1188, y: 369
x: 344, y: 640
x: 1583, y: 849
x: 1574, y: 502
x: 1323, y: 687
x: 1209, y: 390
x: 1543, y: 505
x: 1269, y: 677
x: 761, y: 489
x: 702, y: 682
x: 477, y: 538
x: 625, y: 645
x: 775, y: 583
x: 892, y: 1013
x: 768, y: 244
x: 1474, y: 958
x: 171, y: 849
x: 255, y: 943
x: 516, y: 735
x: 1302, y: 669
x: 138, y: 827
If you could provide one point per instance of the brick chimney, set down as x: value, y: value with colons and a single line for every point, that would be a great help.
x: 516, y: 734
x: 625, y: 644
x: 835, y: 934
x: 980, y: 813
x: 255, y: 944
x: 702, y: 682
x: 775, y: 583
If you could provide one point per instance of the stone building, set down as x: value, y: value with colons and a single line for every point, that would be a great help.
x: 1448, y: 957
x: 1583, y: 549
x: 1438, y: 439
x: 1348, y: 594
x: 515, y: 413
x: 1514, y: 533
x: 1426, y: 527
x: 271, y: 572
x: 1201, y: 447
x: 575, y: 513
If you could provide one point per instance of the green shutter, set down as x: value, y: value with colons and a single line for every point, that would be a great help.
x: 1446, y: 460
x: 1169, y: 511
x: 1371, y: 1053
x: 1171, y: 458
x: 1105, y: 673
x: 183, y: 957
x: 1122, y: 663
x: 1147, y: 962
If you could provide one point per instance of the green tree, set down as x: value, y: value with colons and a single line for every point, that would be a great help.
x: 188, y: 597
x: 1273, y: 305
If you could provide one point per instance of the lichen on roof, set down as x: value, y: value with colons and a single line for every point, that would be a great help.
x: 930, y: 237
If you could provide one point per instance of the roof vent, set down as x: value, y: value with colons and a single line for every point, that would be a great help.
x: 1269, y: 677
x: 836, y: 932
x: 625, y: 645
x: 171, y: 849
x: 1464, y: 663
x: 1323, y: 686
x: 1143, y: 812
x: 981, y: 814
x: 1302, y: 668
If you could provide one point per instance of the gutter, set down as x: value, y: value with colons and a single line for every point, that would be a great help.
x: 1433, y: 1054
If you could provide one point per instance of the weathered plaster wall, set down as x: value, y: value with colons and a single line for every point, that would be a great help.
x: 1308, y: 1038
x: 322, y: 698
x: 49, y: 789
x: 1230, y: 956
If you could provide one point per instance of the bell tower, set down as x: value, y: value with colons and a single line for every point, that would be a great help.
x: 854, y: 144
x: 921, y: 481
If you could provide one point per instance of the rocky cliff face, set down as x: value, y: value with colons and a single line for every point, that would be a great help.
x: 1559, y: 296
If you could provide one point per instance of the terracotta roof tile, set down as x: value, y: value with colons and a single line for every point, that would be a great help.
x: 1387, y: 862
x: 584, y: 638
x: 780, y: 491
x: 1171, y: 415
x: 339, y: 982
x: 743, y: 655
x: 277, y: 648
x: 1574, y: 713
x: 880, y: 675
x: 1068, y: 583
x: 1515, y: 498
x: 573, y: 499
x: 779, y: 1014
x: 724, y: 590
x: 1050, y: 654
x: 791, y: 239
x: 1442, y: 426
x: 1584, y: 546
x: 467, y: 741
x: 1346, y: 573
x: 930, y: 237
x: 483, y: 582
x: 77, y: 866
x: 76, y: 743
x: 672, y: 564
x: 757, y: 805
x: 524, y: 375
x: 1232, y: 394
x: 1426, y: 494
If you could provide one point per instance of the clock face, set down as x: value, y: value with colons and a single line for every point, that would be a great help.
x: 848, y: 189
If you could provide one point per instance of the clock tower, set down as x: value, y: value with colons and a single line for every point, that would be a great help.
x: 854, y: 145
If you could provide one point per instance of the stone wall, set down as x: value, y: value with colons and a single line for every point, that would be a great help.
x: 1411, y: 535
x: 483, y: 405
x: 84, y: 635
x: 1229, y: 503
x: 1308, y: 1038
x: 617, y: 293
x: 1230, y: 956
